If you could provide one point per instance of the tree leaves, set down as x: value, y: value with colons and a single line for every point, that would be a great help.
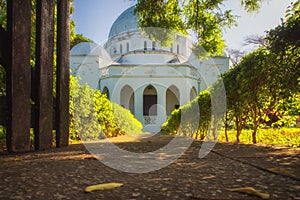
x: 251, y: 5
x: 203, y: 17
x: 159, y: 20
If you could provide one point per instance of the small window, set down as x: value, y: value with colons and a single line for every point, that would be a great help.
x: 171, y: 49
x: 121, y: 48
x: 153, y: 46
x: 145, y: 45
x: 177, y: 48
x: 127, y: 47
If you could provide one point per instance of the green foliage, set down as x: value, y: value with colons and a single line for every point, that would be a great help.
x: 184, y: 121
x: 284, y: 43
x: 207, y: 23
x: 251, y: 5
x: 78, y: 38
x: 125, y: 120
x: 93, y: 116
x: 84, y: 122
x: 165, y: 15
x: 3, y: 18
x: 204, y: 102
x: 267, y: 79
x: 203, y: 17
x: 262, y: 88
x: 2, y: 136
x: 171, y: 126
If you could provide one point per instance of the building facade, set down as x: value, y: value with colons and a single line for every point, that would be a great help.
x: 140, y: 75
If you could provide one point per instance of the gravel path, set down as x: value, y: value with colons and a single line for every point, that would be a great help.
x: 64, y: 173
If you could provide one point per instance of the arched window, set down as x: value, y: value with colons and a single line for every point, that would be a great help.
x: 127, y: 47
x: 193, y: 93
x: 121, y: 48
x: 172, y: 99
x: 145, y: 45
x: 153, y: 46
x: 177, y: 48
x: 127, y: 98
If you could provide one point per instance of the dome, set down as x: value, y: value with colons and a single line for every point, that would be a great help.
x: 127, y: 21
x: 85, y: 49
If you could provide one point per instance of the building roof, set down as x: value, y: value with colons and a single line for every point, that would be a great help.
x: 127, y: 21
x: 85, y: 49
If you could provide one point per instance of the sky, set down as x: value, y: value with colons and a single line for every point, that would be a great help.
x: 94, y: 18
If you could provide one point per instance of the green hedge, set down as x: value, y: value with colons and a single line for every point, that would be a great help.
x: 125, y: 120
x: 93, y: 116
x: 192, y: 119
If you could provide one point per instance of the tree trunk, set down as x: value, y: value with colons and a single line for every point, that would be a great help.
x: 254, y: 132
x: 238, y: 130
x: 226, y: 127
x: 255, y: 126
x: 226, y: 134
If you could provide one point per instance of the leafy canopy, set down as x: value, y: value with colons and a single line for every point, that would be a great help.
x: 204, y: 18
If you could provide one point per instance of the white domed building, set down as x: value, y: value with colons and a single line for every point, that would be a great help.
x: 138, y: 74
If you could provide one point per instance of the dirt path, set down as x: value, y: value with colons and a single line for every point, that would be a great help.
x: 64, y: 173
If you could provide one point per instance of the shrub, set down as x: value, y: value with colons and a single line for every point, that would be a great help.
x: 192, y: 119
x: 93, y: 116
x: 125, y: 120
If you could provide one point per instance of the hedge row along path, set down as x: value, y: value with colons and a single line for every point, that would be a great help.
x: 64, y: 173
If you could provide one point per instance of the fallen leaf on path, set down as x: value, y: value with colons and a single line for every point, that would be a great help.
x: 297, y: 187
x: 279, y: 170
x: 103, y: 186
x: 250, y: 190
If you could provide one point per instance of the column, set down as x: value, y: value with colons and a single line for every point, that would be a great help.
x: 161, y: 107
x: 184, y: 92
x: 138, y: 104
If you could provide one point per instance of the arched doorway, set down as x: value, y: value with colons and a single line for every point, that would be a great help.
x: 106, y: 92
x: 172, y: 99
x: 127, y: 98
x: 150, y: 101
x: 193, y: 93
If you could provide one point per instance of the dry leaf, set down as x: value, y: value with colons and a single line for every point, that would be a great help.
x: 279, y: 170
x: 250, y: 190
x: 103, y: 186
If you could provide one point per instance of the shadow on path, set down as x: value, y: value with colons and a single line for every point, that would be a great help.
x: 64, y: 173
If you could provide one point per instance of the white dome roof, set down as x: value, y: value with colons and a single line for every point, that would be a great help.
x: 127, y: 21
x: 85, y: 49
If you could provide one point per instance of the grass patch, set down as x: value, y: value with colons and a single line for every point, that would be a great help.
x: 282, y: 136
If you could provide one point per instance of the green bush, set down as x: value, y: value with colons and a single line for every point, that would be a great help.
x: 83, y: 121
x: 192, y: 119
x: 171, y: 126
x: 93, y: 116
x: 125, y: 120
